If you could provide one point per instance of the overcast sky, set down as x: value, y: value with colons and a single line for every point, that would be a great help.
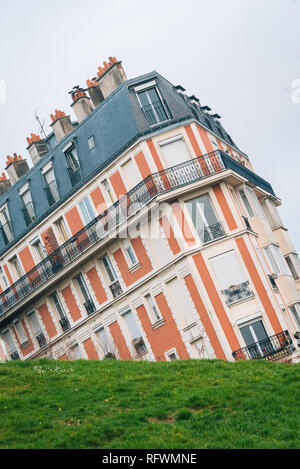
x: 240, y: 57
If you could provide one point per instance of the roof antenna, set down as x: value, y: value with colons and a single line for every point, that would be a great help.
x: 42, y: 131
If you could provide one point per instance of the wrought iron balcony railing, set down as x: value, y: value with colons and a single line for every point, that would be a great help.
x: 14, y: 355
x: 65, y: 324
x: 211, y: 233
x: 155, y: 113
x: 75, y: 176
x: 116, y: 289
x: 41, y: 339
x: 90, y: 307
x: 153, y: 185
x: 237, y: 293
x: 273, y: 347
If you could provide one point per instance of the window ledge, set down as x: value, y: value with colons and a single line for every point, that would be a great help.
x: 134, y: 267
x: 158, y: 323
x: 24, y: 344
x: 190, y: 326
x: 141, y: 354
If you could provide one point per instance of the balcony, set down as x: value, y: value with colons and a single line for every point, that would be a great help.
x: 236, y: 293
x: 51, y: 193
x: 116, y: 289
x: 65, y: 324
x: 28, y: 213
x: 148, y: 189
x: 90, y: 307
x: 14, y: 355
x: 155, y: 113
x: 139, y: 345
x: 74, y: 176
x: 41, y: 339
x: 211, y: 233
x: 275, y: 346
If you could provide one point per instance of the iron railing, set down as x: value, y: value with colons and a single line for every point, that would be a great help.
x: 237, y: 293
x: 153, y: 185
x: 211, y: 233
x: 41, y: 339
x: 15, y: 355
x: 116, y: 289
x: 65, y: 324
x: 90, y: 306
x: 154, y: 113
x: 74, y: 175
x: 272, y: 347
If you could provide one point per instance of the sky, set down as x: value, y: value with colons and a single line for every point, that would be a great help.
x: 240, y: 57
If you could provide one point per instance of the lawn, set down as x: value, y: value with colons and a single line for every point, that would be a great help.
x: 182, y: 404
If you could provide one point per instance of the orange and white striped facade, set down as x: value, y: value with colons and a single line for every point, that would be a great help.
x: 170, y: 299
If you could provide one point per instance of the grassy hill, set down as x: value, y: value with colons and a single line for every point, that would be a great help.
x: 184, y: 404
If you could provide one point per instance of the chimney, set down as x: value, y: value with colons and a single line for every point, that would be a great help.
x: 94, y: 92
x: 16, y: 167
x: 61, y: 124
x: 37, y: 147
x: 81, y: 105
x: 4, y: 184
x: 110, y: 76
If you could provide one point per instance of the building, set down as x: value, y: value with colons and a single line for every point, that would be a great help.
x: 143, y: 232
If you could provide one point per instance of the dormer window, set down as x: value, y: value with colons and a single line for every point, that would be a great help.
x: 151, y: 103
x: 50, y: 187
x: 6, y: 225
x: 27, y: 205
x: 73, y: 164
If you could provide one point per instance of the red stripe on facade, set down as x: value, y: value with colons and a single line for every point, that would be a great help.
x: 224, y: 207
x: 47, y: 320
x: 169, y: 234
x: 71, y: 303
x: 90, y: 349
x: 119, y: 341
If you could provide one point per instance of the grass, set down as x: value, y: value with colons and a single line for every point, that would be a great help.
x: 183, y: 404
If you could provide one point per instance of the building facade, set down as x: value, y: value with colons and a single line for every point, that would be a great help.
x: 142, y: 232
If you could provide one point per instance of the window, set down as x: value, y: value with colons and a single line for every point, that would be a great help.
x: 251, y: 202
x: 152, y: 105
x: 4, y: 279
x: 175, y: 150
x: 75, y: 352
x: 115, y: 286
x: 171, y: 355
x: 6, y: 225
x: 131, y: 257
x: 231, y: 277
x: 64, y: 322
x: 278, y: 265
x: 38, y: 249
x: 73, y: 165
x: 214, y: 144
x: 17, y: 267
x: 50, y: 184
x: 11, y: 347
x: 256, y: 339
x: 155, y: 314
x: 27, y: 207
x: 62, y: 230
x: 36, y: 328
x: 293, y: 263
x: 137, y: 340
x: 131, y: 174
x: 271, y: 213
x: 88, y: 302
x: 86, y: 210
x: 295, y: 310
x: 20, y: 331
x: 108, y: 190
x: 204, y: 219
x: 91, y: 142
x: 104, y: 341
